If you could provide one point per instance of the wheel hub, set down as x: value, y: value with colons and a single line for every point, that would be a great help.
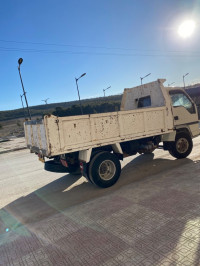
x: 107, y: 170
x: 182, y: 145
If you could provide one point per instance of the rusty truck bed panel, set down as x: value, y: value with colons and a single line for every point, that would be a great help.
x: 58, y: 135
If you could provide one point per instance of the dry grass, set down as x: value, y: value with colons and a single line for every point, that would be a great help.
x: 12, y: 127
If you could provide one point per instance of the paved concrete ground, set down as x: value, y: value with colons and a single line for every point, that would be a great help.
x: 150, y: 217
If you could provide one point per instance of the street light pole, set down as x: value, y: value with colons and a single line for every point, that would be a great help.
x: 105, y: 90
x: 144, y: 77
x: 76, y: 79
x: 24, y: 93
x: 170, y: 84
x: 184, y: 79
x: 23, y: 106
x: 45, y: 100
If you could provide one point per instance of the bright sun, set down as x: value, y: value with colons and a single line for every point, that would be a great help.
x: 187, y: 28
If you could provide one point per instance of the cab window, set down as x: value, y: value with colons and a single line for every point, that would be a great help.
x: 144, y: 102
x: 178, y: 98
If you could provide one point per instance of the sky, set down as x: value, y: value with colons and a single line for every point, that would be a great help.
x: 115, y: 42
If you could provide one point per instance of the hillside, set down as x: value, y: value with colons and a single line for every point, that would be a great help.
x: 11, y: 122
x: 40, y: 110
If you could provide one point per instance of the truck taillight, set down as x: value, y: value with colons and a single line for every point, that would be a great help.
x: 81, y: 167
x: 64, y: 163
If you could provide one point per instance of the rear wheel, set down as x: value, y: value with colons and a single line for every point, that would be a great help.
x: 182, y: 146
x: 86, y: 166
x: 104, y: 169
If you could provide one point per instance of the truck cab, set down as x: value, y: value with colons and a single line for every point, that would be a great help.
x: 178, y: 103
x: 184, y: 111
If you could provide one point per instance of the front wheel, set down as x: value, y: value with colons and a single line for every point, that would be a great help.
x: 182, y: 146
x: 104, y: 169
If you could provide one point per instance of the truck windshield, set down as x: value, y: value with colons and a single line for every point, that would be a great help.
x: 180, y: 99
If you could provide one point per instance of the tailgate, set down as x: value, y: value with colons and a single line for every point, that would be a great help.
x: 35, y: 136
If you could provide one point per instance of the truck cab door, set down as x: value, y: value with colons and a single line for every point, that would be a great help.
x: 184, y: 110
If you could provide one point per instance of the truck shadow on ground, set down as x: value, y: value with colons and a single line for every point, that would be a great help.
x: 69, y: 191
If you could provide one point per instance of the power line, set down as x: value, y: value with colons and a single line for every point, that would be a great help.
x: 94, y: 47
x: 68, y: 45
x: 5, y: 49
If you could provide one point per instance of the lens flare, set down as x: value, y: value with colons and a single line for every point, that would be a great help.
x: 186, y: 29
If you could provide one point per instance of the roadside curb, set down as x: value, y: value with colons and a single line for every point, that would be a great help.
x: 11, y: 150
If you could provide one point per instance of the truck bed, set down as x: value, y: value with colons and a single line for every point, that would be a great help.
x: 58, y: 135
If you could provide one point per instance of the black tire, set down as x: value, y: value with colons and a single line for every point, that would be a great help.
x: 104, y: 169
x: 182, y: 146
x: 171, y: 153
x: 54, y: 166
x: 57, y: 167
x: 86, y: 172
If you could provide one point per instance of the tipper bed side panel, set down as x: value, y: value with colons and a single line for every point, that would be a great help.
x: 75, y: 133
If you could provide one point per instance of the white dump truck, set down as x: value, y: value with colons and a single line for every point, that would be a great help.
x: 150, y: 115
